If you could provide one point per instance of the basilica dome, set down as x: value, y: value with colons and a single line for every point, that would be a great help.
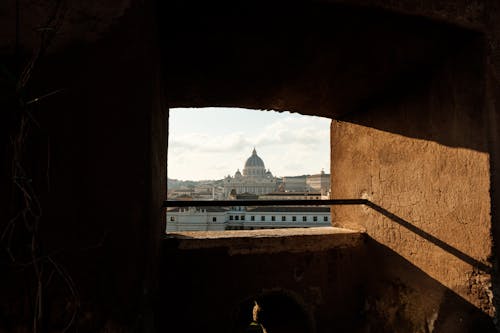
x: 254, y: 166
x: 254, y: 160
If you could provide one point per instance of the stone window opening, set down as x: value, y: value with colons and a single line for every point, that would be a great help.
x: 268, y: 177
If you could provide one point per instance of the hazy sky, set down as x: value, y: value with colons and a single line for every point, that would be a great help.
x: 210, y: 143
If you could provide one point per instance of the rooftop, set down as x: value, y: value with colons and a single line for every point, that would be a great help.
x: 292, y: 193
x: 292, y: 209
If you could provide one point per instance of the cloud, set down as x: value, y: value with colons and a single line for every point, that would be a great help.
x: 210, y: 142
x: 288, y: 131
x: 289, y: 145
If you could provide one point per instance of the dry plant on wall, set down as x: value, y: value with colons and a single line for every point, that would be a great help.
x: 20, y: 237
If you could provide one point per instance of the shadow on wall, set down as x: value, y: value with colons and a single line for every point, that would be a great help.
x: 434, y: 240
x: 443, y: 102
x: 400, y: 297
x: 318, y: 58
x: 369, y: 288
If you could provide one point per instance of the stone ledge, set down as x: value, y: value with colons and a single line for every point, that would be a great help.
x: 267, y: 241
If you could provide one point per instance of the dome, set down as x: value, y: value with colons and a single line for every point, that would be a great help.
x: 254, y: 161
x: 254, y: 166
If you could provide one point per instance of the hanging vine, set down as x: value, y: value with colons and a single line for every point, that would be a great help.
x: 21, y: 232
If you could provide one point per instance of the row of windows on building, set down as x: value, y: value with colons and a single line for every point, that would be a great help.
x: 263, y: 218
x: 273, y: 218
x: 250, y: 228
x: 172, y: 219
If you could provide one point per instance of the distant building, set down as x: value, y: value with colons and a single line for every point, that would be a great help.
x: 295, y: 184
x: 251, y: 218
x: 254, y: 183
x: 196, y: 219
x: 254, y: 179
x: 242, y: 196
x: 319, y: 182
x: 180, y: 193
x: 291, y: 196
x: 246, y: 218
x: 203, y: 190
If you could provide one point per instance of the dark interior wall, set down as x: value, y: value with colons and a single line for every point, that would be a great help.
x: 214, y: 291
x: 97, y: 159
x: 422, y: 158
x: 366, y: 287
x: 314, y: 58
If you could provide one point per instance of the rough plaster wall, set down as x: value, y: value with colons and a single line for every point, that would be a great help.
x: 493, y: 98
x: 423, y: 157
x: 441, y: 190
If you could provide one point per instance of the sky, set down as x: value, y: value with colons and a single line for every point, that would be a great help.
x: 211, y: 143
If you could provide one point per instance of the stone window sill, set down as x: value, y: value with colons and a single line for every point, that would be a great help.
x: 267, y: 241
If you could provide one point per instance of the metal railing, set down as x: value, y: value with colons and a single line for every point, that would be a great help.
x: 293, y: 202
x: 333, y: 202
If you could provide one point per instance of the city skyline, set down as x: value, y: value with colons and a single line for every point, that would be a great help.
x: 211, y: 143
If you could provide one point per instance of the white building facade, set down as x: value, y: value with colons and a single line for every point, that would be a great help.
x: 246, y: 218
x: 196, y: 219
x: 273, y: 217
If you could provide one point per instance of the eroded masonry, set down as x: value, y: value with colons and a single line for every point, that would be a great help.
x: 411, y: 87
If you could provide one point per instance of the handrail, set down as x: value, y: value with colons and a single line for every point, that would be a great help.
x: 293, y: 202
x: 405, y: 224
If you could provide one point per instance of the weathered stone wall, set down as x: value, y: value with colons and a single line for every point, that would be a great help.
x: 415, y: 142
x: 423, y: 157
x: 341, y: 281
x: 95, y: 152
x: 212, y: 290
